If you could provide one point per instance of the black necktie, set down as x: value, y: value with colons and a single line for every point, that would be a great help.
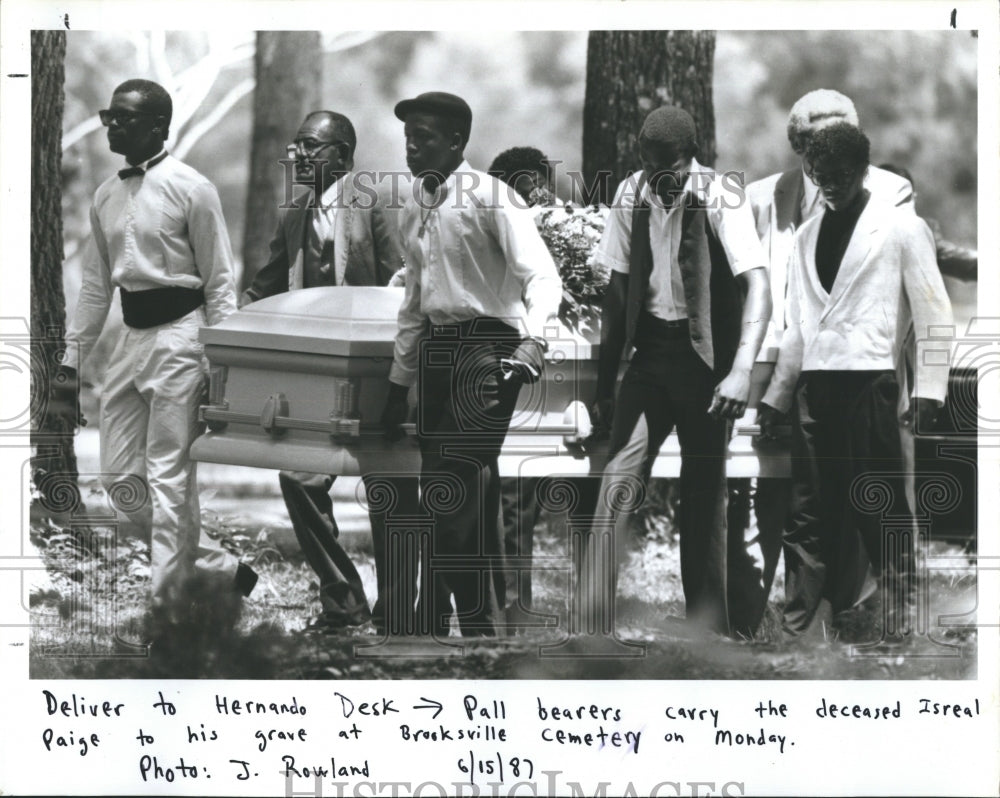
x: 138, y: 171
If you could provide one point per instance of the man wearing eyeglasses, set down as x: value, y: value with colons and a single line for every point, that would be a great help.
x: 781, y: 204
x: 858, y: 273
x: 159, y: 236
x: 336, y: 234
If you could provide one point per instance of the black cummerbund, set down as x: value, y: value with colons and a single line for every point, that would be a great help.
x: 143, y: 309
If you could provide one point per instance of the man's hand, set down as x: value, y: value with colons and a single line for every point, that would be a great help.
x: 601, y: 414
x: 527, y: 363
x: 921, y: 414
x: 64, y: 397
x: 396, y: 411
x: 731, y: 395
x: 769, y: 420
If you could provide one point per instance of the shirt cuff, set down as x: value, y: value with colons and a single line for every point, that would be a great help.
x: 401, y: 375
x: 70, y: 357
x: 611, y: 262
x: 741, y: 266
x: 778, y: 399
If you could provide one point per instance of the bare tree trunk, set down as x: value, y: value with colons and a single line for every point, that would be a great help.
x: 629, y: 73
x: 288, y: 67
x: 51, y: 433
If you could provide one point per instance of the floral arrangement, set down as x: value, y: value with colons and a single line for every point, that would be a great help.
x: 571, y: 234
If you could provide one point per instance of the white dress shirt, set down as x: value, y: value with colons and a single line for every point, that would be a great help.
x: 324, y: 219
x: 477, y: 253
x: 731, y: 220
x: 163, y: 228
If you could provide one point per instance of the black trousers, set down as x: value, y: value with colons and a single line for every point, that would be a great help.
x: 847, y: 476
x: 342, y: 595
x: 667, y: 386
x: 522, y: 500
x: 464, y: 412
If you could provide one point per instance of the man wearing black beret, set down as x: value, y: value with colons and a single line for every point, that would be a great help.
x: 689, y: 291
x: 481, y: 291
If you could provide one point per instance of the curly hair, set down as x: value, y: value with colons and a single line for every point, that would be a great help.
x: 840, y: 140
x: 518, y: 161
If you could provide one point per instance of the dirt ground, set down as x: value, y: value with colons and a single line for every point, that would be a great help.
x: 88, y: 620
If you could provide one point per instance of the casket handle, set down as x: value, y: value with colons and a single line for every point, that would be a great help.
x: 275, y: 407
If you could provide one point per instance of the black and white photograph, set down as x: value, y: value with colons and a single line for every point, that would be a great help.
x: 430, y: 400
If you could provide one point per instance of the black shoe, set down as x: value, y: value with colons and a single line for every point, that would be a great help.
x: 246, y: 579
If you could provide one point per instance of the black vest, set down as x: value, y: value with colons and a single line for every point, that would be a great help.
x: 713, y: 296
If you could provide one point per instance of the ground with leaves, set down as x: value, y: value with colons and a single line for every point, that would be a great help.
x: 88, y: 614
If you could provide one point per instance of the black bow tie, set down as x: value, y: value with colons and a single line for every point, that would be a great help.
x: 138, y: 171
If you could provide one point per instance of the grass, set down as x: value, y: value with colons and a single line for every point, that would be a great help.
x: 89, y: 620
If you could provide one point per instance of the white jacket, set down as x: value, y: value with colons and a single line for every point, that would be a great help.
x: 887, y: 277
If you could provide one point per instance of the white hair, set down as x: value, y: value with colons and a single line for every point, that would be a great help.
x: 818, y: 109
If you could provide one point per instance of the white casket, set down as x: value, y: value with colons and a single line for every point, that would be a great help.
x: 299, y: 380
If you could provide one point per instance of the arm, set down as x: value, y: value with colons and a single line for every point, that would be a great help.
x: 614, y: 251
x: 786, y: 371
x: 529, y: 261
x: 412, y: 326
x: 737, y: 233
x: 272, y: 277
x: 732, y: 394
x: 612, y: 335
x: 928, y: 302
x: 213, y: 256
x: 94, y: 301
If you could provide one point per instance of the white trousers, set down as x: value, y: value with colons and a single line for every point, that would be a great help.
x: 149, y: 418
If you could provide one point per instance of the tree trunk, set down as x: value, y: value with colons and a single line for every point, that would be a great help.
x: 51, y: 433
x: 629, y: 73
x: 288, y: 68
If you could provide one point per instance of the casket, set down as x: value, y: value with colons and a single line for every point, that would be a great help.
x: 299, y: 380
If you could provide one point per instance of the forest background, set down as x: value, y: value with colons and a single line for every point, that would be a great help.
x: 916, y: 95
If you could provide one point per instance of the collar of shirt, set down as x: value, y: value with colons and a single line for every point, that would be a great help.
x: 690, y: 189
x: 445, y: 188
x: 331, y: 197
x: 145, y: 164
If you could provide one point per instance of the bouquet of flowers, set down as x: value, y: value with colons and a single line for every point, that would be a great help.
x: 571, y: 234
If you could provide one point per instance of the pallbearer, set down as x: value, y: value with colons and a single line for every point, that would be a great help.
x: 689, y: 291
x: 859, y: 272
x: 158, y: 235
x: 480, y: 289
x: 337, y: 234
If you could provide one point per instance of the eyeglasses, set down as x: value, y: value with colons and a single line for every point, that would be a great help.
x: 831, y: 179
x: 122, y: 117
x: 310, y: 147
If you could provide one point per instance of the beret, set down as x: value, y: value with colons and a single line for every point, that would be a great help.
x: 670, y: 126
x: 435, y: 102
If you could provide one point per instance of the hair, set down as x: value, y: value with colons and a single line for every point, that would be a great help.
x: 342, y: 128
x: 154, y: 97
x: 673, y: 127
x: 814, y: 110
x: 518, y: 160
x: 839, y: 140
